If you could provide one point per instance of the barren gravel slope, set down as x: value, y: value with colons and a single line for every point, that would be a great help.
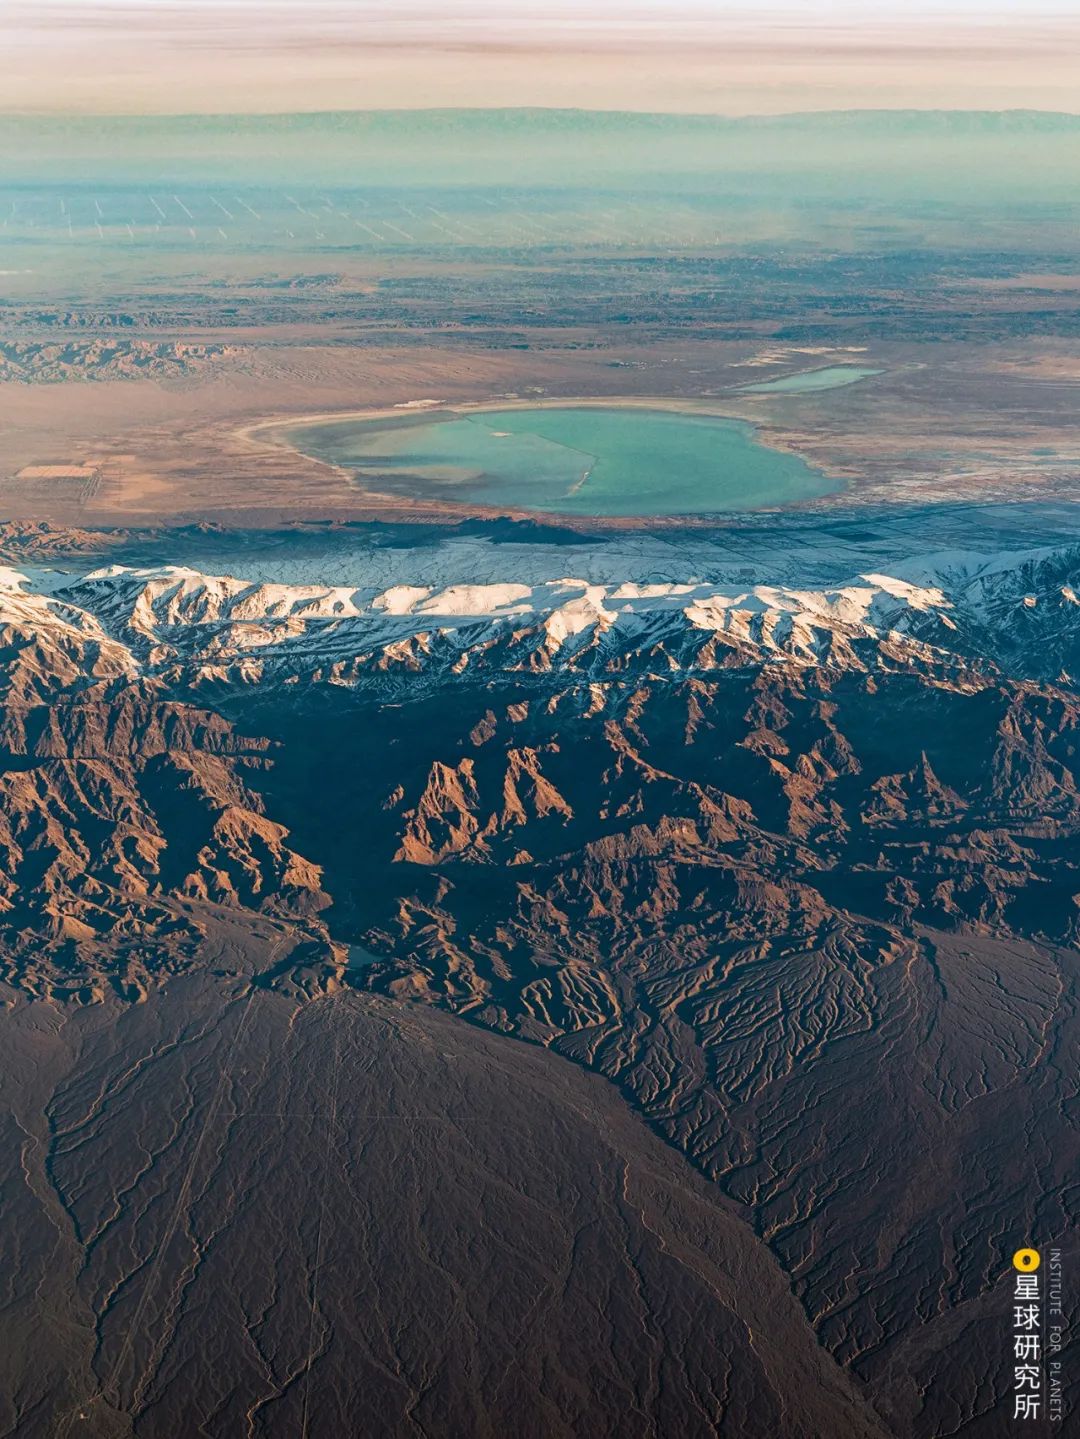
x: 240, y: 1215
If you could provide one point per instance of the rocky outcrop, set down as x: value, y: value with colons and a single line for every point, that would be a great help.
x: 797, y: 871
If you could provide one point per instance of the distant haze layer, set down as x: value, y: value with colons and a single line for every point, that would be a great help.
x: 709, y: 57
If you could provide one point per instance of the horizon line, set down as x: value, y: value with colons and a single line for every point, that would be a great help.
x: 711, y: 116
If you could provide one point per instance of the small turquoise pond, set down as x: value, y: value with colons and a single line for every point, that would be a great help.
x: 576, y: 460
x: 831, y: 377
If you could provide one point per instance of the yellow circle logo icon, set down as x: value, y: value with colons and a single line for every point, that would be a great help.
x: 1026, y: 1260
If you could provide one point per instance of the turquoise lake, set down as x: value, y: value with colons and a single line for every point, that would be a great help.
x: 831, y: 377
x: 583, y: 460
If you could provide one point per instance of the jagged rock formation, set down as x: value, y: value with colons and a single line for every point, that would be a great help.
x: 122, y: 813
x: 51, y: 362
x: 798, y: 870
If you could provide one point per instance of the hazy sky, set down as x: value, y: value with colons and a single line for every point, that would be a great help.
x: 177, y: 56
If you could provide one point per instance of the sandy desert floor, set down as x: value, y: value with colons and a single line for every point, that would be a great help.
x: 935, y: 424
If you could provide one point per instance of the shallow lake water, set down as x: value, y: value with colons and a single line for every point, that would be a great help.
x: 580, y: 460
x: 831, y: 377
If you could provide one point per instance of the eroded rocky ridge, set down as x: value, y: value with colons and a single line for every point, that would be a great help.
x: 797, y: 869
x: 52, y: 362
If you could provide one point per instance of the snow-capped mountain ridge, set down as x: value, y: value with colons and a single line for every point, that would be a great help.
x: 1021, y: 612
